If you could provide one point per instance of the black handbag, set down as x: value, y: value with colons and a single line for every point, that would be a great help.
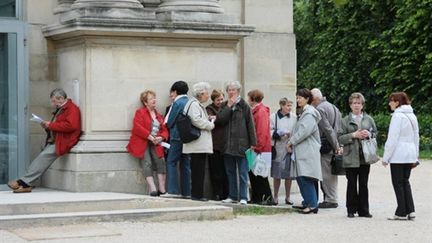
x: 187, y: 131
x: 275, y: 137
x: 337, y: 165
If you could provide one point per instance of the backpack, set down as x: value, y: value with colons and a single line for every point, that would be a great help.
x: 186, y: 130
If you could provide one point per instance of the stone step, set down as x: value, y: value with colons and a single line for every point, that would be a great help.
x: 50, y: 207
x: 204, y: 212
x: 92, y: 205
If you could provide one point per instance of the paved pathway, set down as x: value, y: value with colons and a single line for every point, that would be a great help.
x: 330, y: 225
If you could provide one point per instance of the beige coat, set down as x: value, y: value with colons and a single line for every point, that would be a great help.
x: 199, y: 118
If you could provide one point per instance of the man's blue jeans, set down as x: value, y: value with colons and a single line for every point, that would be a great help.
x: 308, y: 191
x: 175, y: 155
x: 232, y: 163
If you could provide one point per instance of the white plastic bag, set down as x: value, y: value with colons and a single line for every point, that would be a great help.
x: 262, y: 164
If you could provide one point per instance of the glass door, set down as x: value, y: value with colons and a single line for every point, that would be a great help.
x: 13, y: 101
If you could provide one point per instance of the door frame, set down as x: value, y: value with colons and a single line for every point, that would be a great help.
x: 20, y: 29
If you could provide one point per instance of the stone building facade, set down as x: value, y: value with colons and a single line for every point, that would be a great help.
x: 105, y: 52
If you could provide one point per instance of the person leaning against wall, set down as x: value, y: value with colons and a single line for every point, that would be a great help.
x: 200, y: 148
x: 218, y: 177
x: 401, y: 151
x: 356, y: 126
x: 148, y: 131
x: 63, y: 132
x: 282, y: 124
x: 236, y: 117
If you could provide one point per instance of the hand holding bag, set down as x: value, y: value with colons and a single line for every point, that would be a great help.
x: 370, y: 147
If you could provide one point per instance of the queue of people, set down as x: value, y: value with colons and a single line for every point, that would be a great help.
x: 303, y: 146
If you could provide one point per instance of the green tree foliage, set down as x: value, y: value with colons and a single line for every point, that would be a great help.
x: 372, y: 47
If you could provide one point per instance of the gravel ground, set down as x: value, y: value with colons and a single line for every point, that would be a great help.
x: 329, y: 225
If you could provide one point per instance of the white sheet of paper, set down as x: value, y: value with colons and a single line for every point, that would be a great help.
x: 165, y: 145
x: 36, y: 118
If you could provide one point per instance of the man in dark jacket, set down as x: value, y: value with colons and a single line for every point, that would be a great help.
x: 63, y: 132
x: 328, y: 128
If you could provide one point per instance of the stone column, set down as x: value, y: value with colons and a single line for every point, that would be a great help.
x: 191, y: 11
x: 105, y: 9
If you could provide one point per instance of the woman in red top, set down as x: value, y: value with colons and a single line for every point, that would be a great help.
x: 261, y: 192
x: 147, y: 133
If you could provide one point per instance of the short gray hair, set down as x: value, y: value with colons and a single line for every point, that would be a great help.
x: 58, y: 93
x: 316, y: 93
x: 356, y: 95
x: 236, y: 84
x: 199, y: 88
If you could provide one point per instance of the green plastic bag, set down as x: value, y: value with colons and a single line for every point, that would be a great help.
x: 250, y: 157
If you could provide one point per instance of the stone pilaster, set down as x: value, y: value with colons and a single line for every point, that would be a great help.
x: 191, y: 11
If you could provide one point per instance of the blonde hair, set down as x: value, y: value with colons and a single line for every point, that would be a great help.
x: 144, y: 96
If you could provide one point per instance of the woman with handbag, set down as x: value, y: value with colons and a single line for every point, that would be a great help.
x: 401, y: 151
x: 305, y: 144
x: 201, y: 147
x: 357, y: 126
x: 282, y: 123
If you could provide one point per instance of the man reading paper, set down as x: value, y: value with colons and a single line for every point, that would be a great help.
x: 63, y: 132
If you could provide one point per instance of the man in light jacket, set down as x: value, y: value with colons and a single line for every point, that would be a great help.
x: 328, y: 126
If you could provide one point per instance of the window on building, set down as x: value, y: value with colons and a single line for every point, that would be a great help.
x: 8, y: 9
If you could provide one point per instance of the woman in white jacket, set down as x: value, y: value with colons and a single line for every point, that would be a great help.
x: 401, y: 151
x: 201, y: 147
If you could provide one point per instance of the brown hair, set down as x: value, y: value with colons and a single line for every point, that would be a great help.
x: 400, y: 97
x: 305, y: 93
x: 216, y: 93
x: 256, y: 95
x: 144, y: 95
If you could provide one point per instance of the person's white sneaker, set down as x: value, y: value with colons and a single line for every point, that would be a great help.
x: 395, y: 217
x: 228, y: 200
x: 411, y: 216
x: 243, y: 202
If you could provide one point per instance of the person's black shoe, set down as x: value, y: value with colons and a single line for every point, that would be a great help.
x: 202, y: 199
x: 327, y: 205
x: 309, y: 210
x: 350, y: 215
x: 299, y: 207
x: 365, y: 215
x: 154, y: 194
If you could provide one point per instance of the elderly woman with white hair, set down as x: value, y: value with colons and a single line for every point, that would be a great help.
x: 201, y: 147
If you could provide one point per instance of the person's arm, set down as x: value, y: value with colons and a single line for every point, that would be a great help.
x: 392, y: 137
x: 305, y: 128
x: 250, y: 127
x: 224, y: 115
x: 197, y: 118
x: 70, y: 124
x: 328, y: 131
x: 173, y: 115
x: 139, y: 129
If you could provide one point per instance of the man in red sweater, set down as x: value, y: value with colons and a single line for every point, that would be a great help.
x: 63, y: 132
